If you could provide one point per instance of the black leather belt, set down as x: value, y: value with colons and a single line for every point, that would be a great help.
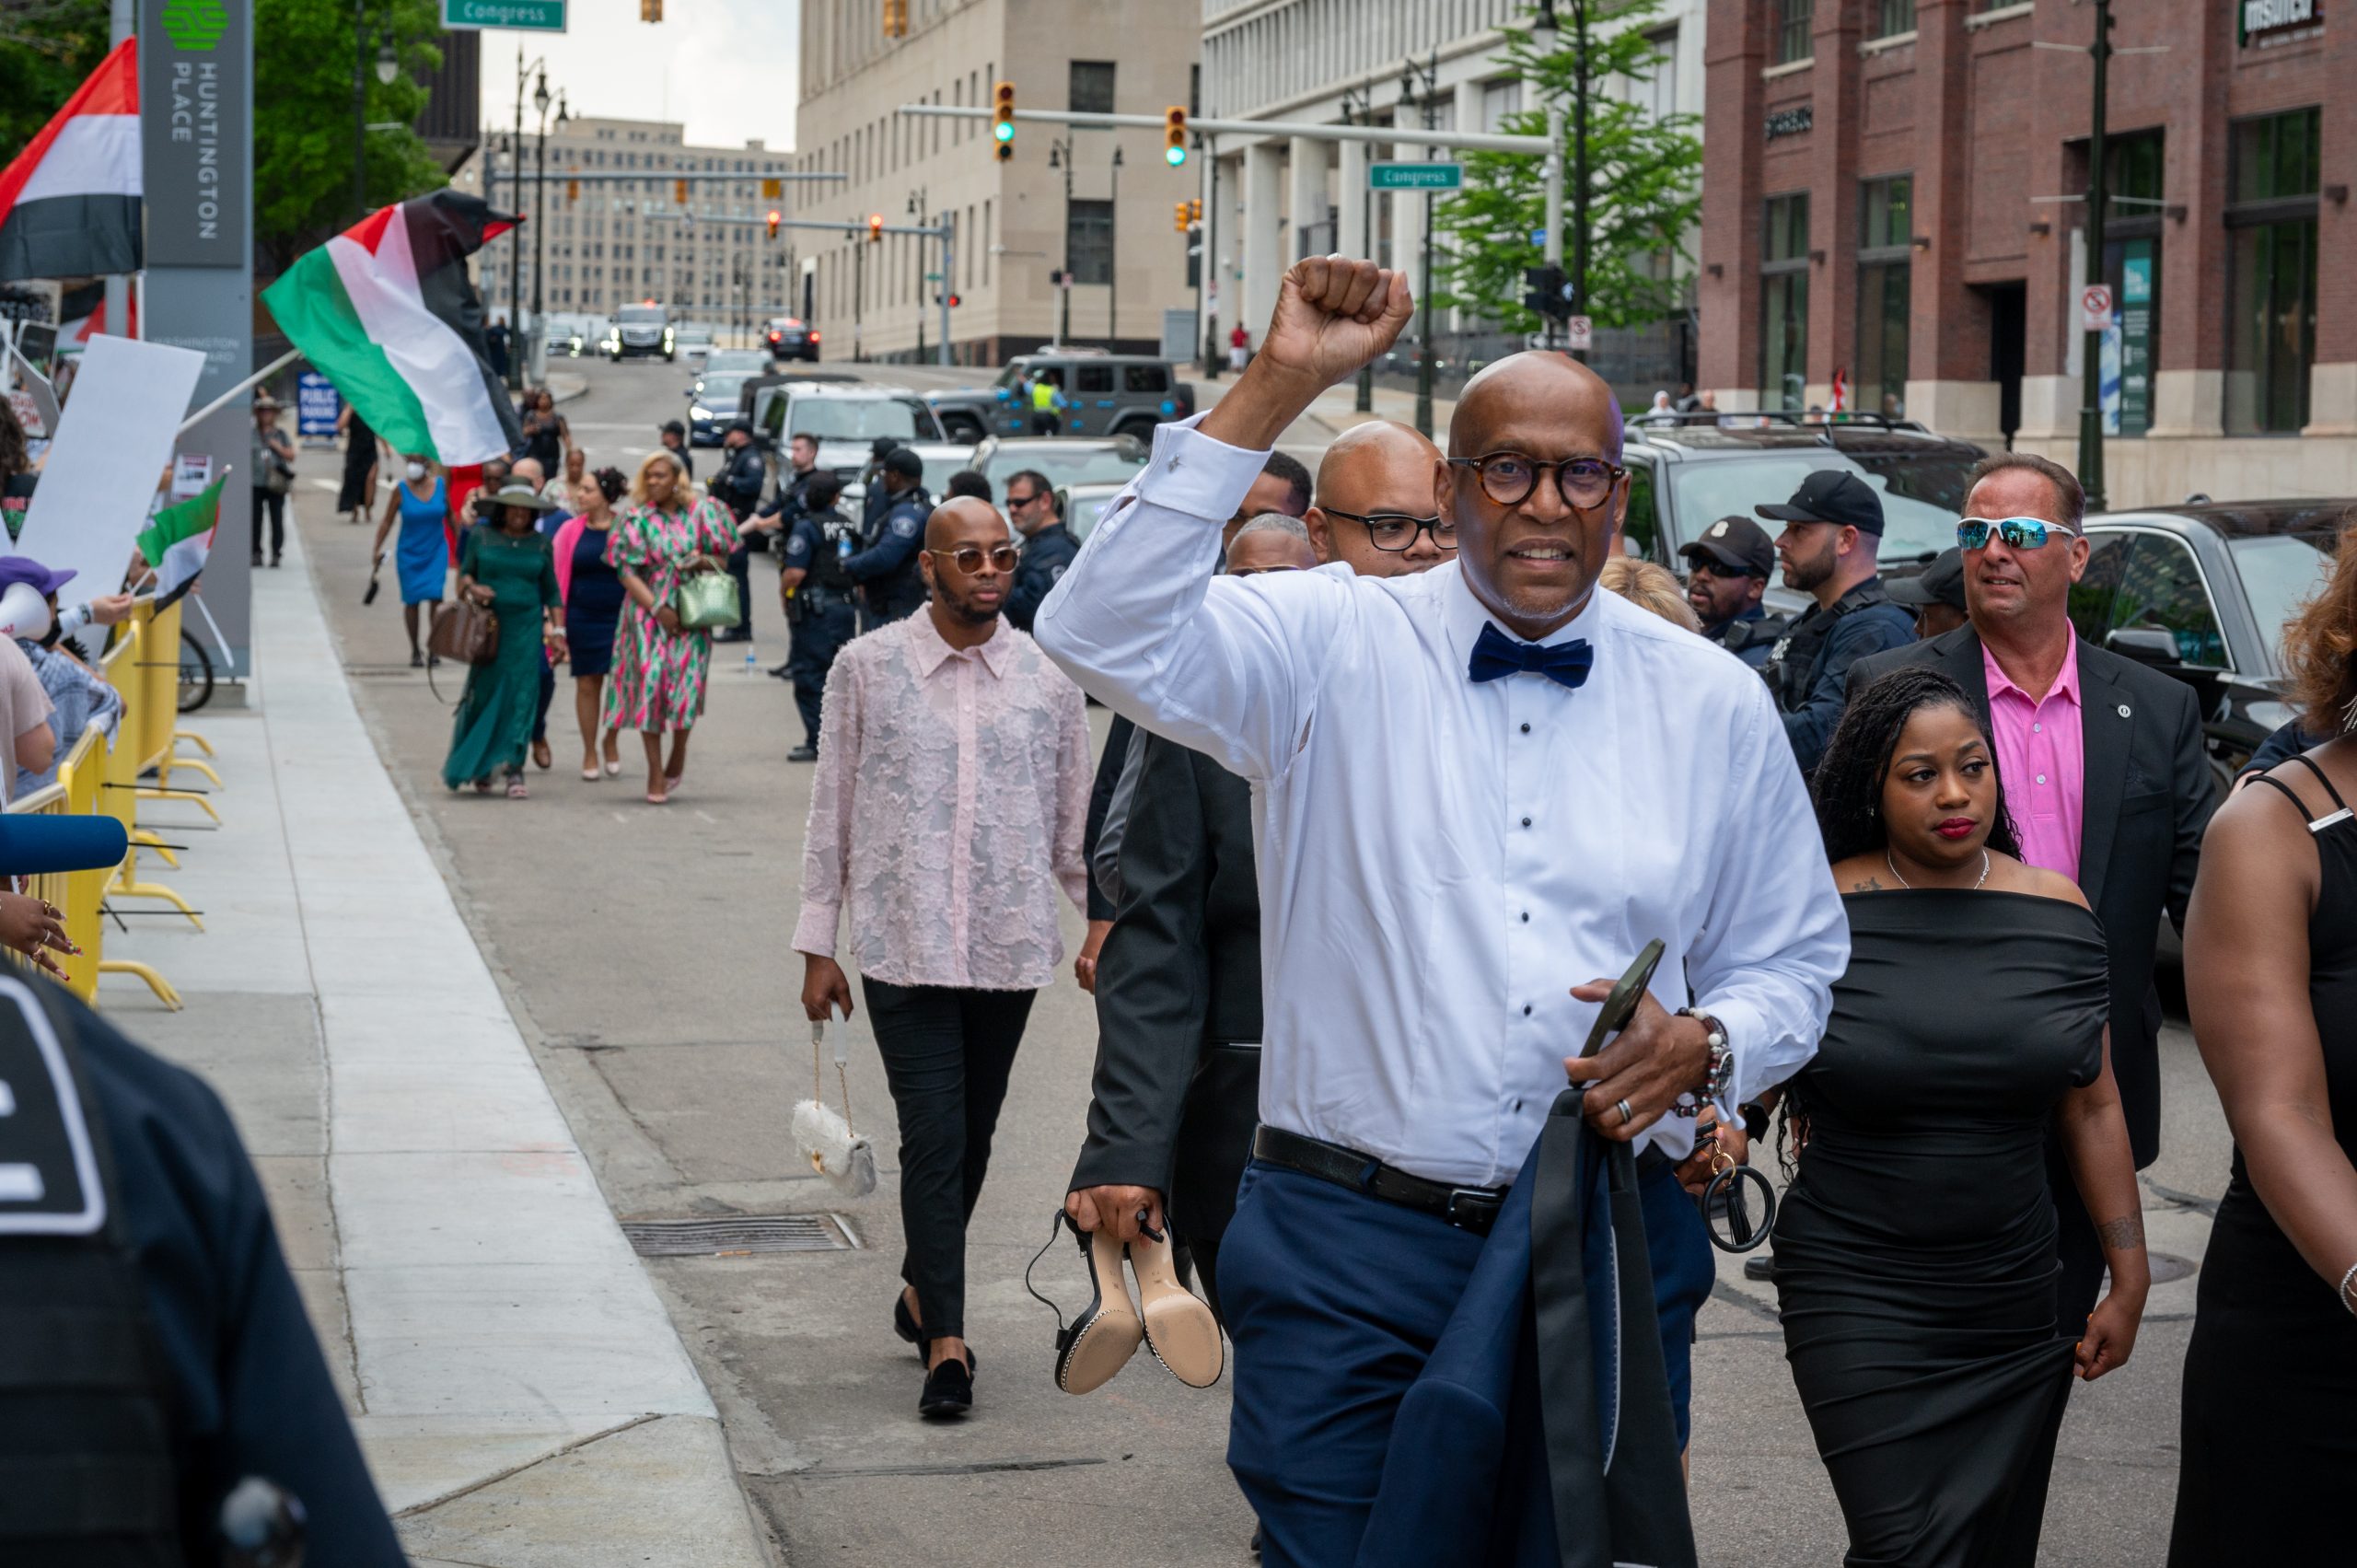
x: 1466, y: 1208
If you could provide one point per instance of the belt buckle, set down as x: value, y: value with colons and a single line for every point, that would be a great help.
x: 1484, y: 1203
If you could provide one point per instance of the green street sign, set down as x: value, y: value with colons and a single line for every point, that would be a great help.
x: 932, y: 277
x: 525, y: 15
x: 1416, y: 175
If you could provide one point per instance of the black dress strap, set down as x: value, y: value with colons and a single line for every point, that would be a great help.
x: 2340, y: 813
x: 2307, y: 762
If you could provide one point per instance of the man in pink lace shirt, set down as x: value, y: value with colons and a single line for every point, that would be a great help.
x: 951, y: 789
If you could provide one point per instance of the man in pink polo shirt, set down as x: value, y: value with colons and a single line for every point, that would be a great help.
x: 2103, y: 769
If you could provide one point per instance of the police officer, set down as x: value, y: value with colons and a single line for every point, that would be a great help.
x: 1047, y: 404
x: 674, y: 437
x: 1832, y: 530
x: 1728, y: 572
x: 787, y: 504
x: 154, y: 1353
x: 816, y: 588
x: 885, y: 566
x: 737, y: 486
x: 872, y: 476
x: 1048, y: 545
x: 1936, y: 594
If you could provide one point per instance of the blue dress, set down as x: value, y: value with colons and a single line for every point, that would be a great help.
x: 593, y: 604
x: 423, y: 551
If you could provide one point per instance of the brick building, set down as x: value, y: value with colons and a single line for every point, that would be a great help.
x: 1892, y: 192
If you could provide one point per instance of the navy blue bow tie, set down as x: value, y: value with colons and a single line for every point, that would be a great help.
x: 1495, y: 655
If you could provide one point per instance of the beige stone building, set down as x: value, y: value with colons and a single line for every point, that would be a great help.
x: 621, y: 241
x: 1013, y: 224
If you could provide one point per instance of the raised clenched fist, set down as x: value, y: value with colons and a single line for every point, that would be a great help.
x: 1334, y: 315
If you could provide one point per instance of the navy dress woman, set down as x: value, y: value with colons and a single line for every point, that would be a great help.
x: 593, y: 608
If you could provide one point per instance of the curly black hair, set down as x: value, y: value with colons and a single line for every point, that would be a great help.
x: 611, y: 483
x: 1848, y: 785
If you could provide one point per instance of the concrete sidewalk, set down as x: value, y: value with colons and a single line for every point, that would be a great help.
x: 522, y: 1396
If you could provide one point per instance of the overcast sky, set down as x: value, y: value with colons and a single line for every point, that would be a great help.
x: 726, y: 67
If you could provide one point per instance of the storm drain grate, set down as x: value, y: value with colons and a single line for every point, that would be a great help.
x: 740, y: 1234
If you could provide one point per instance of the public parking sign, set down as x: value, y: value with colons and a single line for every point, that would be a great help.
x: 1416, y: 175
x: 525, y: 15
x: 2094, y: 308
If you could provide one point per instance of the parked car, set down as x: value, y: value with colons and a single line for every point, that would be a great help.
x: 692, y: 339
x: 712, y: 405
x: 571, y: 336
x: 2202, y: 591
x: 641, y: 331
x: 941, y: 458
x: 1066, y: 462
x: 1109, y: 394
x: 790, y: 337
x: 745, y: 361
x: 1684, y: 473
x: 1083, y: 506
x: 846, y: 417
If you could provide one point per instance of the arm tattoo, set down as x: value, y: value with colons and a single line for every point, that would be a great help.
x: 2122, y: 1234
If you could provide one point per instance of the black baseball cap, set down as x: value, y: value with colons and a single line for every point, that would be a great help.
x: 1831, y: 496
x: 1940, y: 583
x: 905, y: 463
x: 670, y: 428
x: 882, y: 445
x: 1738, y: 543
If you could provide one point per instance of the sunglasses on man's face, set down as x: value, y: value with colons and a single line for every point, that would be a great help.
x: 968, y: 558
x: 2019, y: 533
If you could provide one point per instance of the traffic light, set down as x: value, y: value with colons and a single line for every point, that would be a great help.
x: 680, y: 191
x: 572, y: 192
x: 773, y: 223
x: 1195, y: 210
x: 1174, y: 135
x: 773, y: 188
x: 1003, y: 119
x: 896, y: 18
x: 1547, y: 292
x: 1179, y: 217
x: 876, y: 229
x: 955, y: 302
x: 650, y: 10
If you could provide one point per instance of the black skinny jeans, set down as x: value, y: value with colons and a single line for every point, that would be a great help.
x: 946, y: 1053
x: 275, y: 503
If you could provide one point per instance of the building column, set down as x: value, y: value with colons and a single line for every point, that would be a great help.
x: 1352, y: 206
x: 1727, y: 292
x: 2332, y: 377
x: 1838, y: 101
x: 1262, y: 259
x: 2190, y: 377
x: 1305, y: 201
x: 1408, y: 229
x: 1948, y: 346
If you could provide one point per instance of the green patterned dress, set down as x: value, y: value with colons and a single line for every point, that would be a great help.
x: 657, y: 682
x: 494, y: 728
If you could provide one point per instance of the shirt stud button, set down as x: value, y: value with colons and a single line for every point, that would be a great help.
x: 1526, y: 729
x: 1526, y: 821
x: 1525, y: 917
x: 1526, y: 1009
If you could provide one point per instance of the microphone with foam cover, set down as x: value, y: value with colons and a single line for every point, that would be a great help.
x: 40, y: 841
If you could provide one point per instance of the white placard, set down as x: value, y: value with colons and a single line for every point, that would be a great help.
x: 113, y: 438
x: 2094, y: 308
x: 192, y: 471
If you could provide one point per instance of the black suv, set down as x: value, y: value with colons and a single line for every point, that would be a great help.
x: 2202, y: 591
x: 1105, y: 394
x: 1686, y: 472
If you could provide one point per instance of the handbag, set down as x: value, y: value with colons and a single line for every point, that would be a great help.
x: 844, y: 1156
x: 467, y: 633
x: 705, y: 600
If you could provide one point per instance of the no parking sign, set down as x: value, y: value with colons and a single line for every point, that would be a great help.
x: 2094, y: 308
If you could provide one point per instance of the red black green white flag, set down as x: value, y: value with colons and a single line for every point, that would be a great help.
x: 387, y: 312
x: 69, y: 202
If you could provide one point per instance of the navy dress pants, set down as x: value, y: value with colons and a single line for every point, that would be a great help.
x: 1334, y: 1300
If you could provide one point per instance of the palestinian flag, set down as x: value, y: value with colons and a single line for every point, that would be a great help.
x: 69, y: 202
x: 386, y: 312
x: 178, y: 539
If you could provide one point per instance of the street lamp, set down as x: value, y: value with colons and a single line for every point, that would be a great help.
x: 1059, y: 157
x: 540, y: 222
x: 1409, y: 76
x: 389, y: 63
x: 917, y: 211
x: 1358, y: 109
x: 1113, y: 260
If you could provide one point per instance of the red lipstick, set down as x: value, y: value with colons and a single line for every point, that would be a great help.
x: 1957, y: 828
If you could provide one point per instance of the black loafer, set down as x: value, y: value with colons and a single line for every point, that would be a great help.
x: 948, y: 1391
x: 803, y: 754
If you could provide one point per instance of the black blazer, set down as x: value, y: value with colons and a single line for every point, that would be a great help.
x: 2149, y: 792
x: 1179, y: 974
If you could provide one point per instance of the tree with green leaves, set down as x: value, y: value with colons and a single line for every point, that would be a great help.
x: 47, y: 48
x: 304, y: 123
x: 1645, y: 181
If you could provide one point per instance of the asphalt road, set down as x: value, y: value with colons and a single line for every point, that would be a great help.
x: 645, y: 952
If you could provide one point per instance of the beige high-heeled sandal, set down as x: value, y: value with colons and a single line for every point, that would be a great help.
x: 1107, y: 1332
x: 1179, y: 1329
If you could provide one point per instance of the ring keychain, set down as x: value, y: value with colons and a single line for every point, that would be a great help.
x: 1726, y: 1186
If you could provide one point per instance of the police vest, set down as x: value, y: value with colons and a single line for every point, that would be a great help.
x: 826, y: 566
x: 1791, y: 664
x: 1044, y: 397
x: 88, y: 1473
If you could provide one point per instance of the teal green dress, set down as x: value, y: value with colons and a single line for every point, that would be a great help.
x: 494, y: 728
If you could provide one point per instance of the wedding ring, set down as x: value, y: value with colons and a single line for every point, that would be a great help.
x: 1627, y: 1116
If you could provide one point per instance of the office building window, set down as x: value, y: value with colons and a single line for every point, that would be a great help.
x: 1092, y: 87
x: 1783, y: 316
x: 1893, y: 17
x: 2271, y: 270
x: 1089, y: 241
x: 1499, y: 99
x: 1656, y: 92
x: 1885, y: 227
x: 1792, y: 18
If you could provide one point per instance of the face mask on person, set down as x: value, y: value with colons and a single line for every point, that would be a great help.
x: 415, y: 470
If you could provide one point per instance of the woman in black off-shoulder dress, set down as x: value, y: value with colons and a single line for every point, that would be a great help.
x: 1915, y: 1256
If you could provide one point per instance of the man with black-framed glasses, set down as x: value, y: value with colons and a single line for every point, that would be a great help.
x: 944, y: 815
x: 1374, y: 508
x: 1048, y: 545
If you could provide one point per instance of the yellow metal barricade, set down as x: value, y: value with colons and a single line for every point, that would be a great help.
x: 159, y: 691
x: 129, y: 756
x: 80, y: 896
